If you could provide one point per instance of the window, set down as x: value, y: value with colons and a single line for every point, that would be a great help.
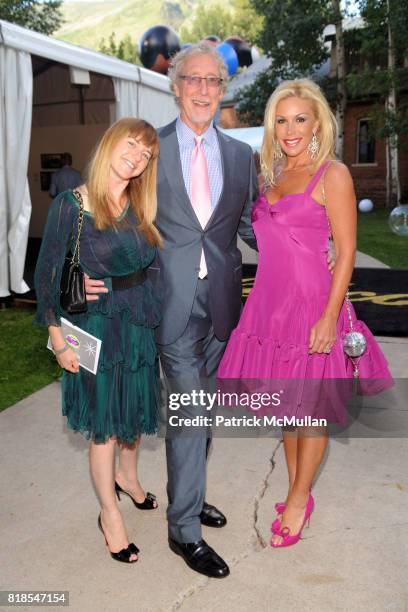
x: 365, y: 142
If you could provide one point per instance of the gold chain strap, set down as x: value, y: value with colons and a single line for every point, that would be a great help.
x: 76, y: 253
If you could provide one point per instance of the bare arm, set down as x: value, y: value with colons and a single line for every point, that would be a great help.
x: 67, y: 359
x: 341, y: 211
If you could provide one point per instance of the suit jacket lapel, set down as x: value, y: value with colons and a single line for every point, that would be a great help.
x: 170, y: 153
x: 228, y: 153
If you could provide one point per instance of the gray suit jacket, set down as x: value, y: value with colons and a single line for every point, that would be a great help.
x: 175, y: 272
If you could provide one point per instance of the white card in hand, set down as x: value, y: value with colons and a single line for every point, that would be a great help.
x: 87, y: 347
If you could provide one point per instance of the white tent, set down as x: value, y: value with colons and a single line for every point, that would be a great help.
x: 55, y: 97
x: 251, y: 135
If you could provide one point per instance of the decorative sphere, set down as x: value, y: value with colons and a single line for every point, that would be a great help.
x: 365, y: 205
x: 354, y: 344
x: 255, y: 54
x: 398, y: 220
x: 229, y: 56
x: 212, y: 39
x: 157, y: 45
x: 242, y: 49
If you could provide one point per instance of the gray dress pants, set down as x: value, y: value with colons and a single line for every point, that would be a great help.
x: 189, y: 364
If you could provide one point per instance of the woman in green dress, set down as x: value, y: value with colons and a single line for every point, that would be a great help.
x: 118, y: 242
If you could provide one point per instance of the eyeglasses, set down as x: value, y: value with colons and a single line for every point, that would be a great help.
x: 195, y: 81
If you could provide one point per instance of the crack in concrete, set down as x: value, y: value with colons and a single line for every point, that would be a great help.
x: 258, y: 542
x: 261, y: 494
x: 193, y: 590
x: 189, y: 592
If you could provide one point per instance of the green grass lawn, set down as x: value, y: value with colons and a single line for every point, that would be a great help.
x: 26, y: 365
x: 376, y: 239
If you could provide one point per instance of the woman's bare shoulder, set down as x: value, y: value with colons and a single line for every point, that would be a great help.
x: 336, y: 171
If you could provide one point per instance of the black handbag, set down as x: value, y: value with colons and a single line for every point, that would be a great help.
x: 72, y: 287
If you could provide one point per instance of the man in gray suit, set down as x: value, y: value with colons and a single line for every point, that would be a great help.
x: 201, y: 307
x: 199, y: 276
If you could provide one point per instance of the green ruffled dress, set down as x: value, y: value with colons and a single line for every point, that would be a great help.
x: 122, y: 400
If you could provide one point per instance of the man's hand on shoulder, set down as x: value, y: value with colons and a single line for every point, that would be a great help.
x: 93, y: 287
x: 331, y: 257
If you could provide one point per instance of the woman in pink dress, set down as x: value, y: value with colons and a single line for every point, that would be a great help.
x: 295, y: 318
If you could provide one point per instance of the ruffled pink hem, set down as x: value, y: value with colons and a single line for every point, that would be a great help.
x: 248, y: 356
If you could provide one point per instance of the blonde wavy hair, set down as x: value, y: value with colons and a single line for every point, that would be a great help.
x: 326, y: 133
x: 141, y: 190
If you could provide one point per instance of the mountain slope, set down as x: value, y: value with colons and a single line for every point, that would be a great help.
x: 86, y: 23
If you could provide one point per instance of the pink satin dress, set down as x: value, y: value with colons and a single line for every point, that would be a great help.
x: 289, y: 295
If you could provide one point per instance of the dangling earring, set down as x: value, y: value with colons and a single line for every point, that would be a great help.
x: 313, y: 146
x: 277, y: 151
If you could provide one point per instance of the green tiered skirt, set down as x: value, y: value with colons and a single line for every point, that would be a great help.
x: 123, y: 399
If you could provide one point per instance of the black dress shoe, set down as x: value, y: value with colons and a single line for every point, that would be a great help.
x: 201, y: 558
x: 212, y: 517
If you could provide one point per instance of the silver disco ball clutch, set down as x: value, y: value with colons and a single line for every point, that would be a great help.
x: 354, y: 342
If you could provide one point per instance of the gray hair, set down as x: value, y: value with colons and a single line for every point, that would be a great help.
x: 201, y: 48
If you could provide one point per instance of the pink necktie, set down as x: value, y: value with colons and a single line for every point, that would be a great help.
x: 200, y: 192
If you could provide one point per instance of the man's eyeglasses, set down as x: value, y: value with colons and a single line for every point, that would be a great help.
x: 195, y: 81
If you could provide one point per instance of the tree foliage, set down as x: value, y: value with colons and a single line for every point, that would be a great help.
x: 292, y: 33
x: 251, y: 101
x: 45, y: 17
x: 373, y: 76
x: 370, y: 63
x: 217, y: 19
x: 125, y: 49
x: 377, y: 14
x: 292, y: 36
x: 212, y: 19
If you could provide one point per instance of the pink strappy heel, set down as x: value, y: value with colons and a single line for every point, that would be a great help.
x: 287, y: 538
x: 280, y: 509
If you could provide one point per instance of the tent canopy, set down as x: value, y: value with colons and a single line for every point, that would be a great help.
x: 59, y: 72
x: 74, y: 55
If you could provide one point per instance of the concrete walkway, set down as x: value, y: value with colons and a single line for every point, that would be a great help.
x: 353, y: 557
x: 366, y: 261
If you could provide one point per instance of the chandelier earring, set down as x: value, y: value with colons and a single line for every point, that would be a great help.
x: 313, y: 146
x: 277, y: 151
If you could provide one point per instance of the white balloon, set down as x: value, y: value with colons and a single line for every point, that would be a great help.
x: 255, y: 54
x: 365, y: 205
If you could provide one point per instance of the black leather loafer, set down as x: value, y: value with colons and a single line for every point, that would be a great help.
x: 201, y: 558
x: 212, y: 517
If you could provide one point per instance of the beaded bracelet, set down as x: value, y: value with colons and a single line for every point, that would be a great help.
x: 61, y: 350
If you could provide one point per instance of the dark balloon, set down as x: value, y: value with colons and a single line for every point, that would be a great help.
x: 242, y: 49
x: 157, y: 45
x: 211, y: 38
